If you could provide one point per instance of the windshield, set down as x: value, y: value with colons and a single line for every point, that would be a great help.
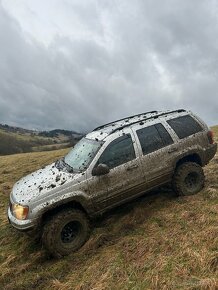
x: 82, y: 154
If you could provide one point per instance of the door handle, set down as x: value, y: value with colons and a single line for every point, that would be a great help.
x: 132, y: 167
x: 172, y: 150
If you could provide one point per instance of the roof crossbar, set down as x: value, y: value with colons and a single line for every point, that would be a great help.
x: 138, y: 115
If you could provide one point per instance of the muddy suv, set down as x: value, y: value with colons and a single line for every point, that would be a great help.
x: 111, y: 165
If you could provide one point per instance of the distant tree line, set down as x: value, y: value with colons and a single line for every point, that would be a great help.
x: 11, y: 144
x: 56, y: 132
x: 20, y: 140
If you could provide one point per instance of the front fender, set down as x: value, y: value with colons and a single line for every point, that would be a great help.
x: 78, y: 196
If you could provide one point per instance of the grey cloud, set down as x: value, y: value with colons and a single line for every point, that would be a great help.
x: 142, y: 56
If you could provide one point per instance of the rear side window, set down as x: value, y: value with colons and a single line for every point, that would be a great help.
x: 153, y: 138
x: 185, y: 126
x: 118, y: 152
x: 165, y: 136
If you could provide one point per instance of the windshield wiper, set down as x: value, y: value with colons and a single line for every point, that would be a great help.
x: 69, y: 168
x: 61, y: 164
x: 58, y: 164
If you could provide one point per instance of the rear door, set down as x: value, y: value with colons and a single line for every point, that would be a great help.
x: 157, y: 150
x: 125, y: 177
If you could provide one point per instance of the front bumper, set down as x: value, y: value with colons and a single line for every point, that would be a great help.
x: 22, y: 225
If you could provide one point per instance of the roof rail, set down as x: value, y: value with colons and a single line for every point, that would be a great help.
x: 133, y: 116
x: 145, y: 119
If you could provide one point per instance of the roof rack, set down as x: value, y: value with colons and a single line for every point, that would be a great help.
x: 133, y: 116
x: 148, y: 118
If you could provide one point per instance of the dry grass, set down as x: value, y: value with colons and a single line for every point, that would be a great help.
x: 215, y: 131
x: 156, y: 242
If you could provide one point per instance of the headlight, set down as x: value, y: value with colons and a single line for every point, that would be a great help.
x: 19, y: 211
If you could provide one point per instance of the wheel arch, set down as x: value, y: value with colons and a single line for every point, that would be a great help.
x: 75, y: 203
x: 195, y: 157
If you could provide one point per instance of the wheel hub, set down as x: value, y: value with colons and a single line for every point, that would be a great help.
x: 191, y: 180
x: 70, y: 231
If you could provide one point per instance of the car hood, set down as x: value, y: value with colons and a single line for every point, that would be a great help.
x: 41, y: 182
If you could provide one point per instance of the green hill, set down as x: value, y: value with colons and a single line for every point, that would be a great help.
x: 155, y: 242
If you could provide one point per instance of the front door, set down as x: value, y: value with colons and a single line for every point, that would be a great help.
x: 125, y: 177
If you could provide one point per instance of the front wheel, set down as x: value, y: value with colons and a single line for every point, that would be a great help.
x: 188, y: 179
x: 66, y: 232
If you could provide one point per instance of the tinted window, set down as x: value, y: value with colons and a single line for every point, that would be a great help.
x: 184, y: 126
x: 164, y: 134
x: 118, y: 152
x: 153, y: 138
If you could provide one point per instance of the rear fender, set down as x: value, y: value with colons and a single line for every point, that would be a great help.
x: 193, y: 155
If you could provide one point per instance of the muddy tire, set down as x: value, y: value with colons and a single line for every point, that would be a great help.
x: 188, y: 179
x: 66, y: 232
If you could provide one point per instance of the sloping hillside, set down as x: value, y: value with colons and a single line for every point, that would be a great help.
x: 156, y: 242
x: 19, y: 140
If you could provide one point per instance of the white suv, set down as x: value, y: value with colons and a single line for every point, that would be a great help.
x: 113, y: 164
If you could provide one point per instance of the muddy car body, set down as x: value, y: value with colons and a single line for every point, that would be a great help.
x: 111, y: 165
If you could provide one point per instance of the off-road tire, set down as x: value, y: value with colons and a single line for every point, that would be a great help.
x: 188, y: 179
x: 53, y: 238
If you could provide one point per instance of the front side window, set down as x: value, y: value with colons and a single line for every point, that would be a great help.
x: 185, y: 126
x: 153, y: 138
x: 82, y: 154
x: 118, y: 152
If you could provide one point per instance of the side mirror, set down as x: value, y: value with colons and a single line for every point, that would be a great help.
x: 101, y: 169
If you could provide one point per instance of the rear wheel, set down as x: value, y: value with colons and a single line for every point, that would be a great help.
x: 66, y: 232
x: 188, y: 179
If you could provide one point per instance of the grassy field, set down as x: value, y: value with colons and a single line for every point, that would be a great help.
x: 156, y: 242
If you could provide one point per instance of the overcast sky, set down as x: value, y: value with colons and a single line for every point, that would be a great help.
x: 75, y: 64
